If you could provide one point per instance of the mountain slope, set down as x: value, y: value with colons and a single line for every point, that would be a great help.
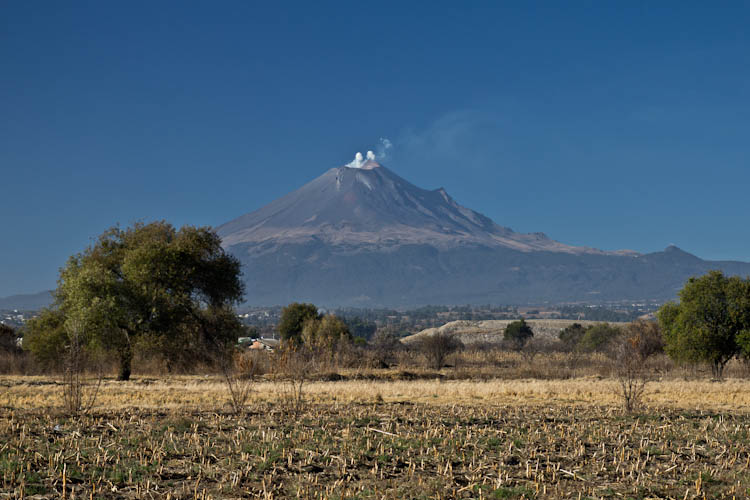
x: 366, y: 237
x: 373, y: 206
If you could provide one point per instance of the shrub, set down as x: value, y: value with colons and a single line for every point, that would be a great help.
x: 571, y: 336
x: 384, y: 346
x: 639, y: 341
x: 517, y: 334
x: 598, y: 337
x: 437, y: 347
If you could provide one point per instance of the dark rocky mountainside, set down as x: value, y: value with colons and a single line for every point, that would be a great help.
x: 366, y: 237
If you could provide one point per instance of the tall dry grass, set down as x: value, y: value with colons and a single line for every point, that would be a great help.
x: 209, y: 392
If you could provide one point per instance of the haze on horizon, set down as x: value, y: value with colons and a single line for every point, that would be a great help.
x: 612, y: 126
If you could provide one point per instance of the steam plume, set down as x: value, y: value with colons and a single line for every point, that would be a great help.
x: 357, y: 162
x: 382, y: 153
x: 384, y: 148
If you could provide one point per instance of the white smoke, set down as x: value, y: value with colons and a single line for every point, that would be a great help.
x: 357, y: 162
x: 383, y: 148
x: 382, y: 153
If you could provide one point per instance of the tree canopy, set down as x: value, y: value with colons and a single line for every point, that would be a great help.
x: 293, y: 319
x: 327, y: 332
x: 710, y: 323
x: 149, y: 286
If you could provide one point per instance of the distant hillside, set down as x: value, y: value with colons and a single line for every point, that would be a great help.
x: 477, y: 332
x: 27, y: 302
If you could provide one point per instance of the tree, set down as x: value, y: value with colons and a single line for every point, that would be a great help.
x: 711, y: 321
x: 437, y: 347
x: 518, y: 333
x: 45, y: 336
x: 8, y: 339
x: 638, y: 341
x: 384, y: 345
x: 327, y: 332
x: 148, y: 286
x: 293, y: 318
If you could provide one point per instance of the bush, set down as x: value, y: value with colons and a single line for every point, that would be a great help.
x: 437, y: 347
x: 517, y: 334
x: 571, y: 336
x: 639, y: 341
x: 598, y: 338
x: 384, y: 346
x: 645, y: 338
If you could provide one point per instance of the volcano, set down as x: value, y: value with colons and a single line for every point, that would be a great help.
x: 363, y: 236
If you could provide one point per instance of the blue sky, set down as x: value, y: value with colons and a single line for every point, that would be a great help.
x: 607, y: 124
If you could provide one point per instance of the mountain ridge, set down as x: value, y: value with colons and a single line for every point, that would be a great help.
x: 379, y: 207
x: 363, y: 236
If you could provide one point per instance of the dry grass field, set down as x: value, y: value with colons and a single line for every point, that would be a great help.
x: 209, y: 392
x: 176, y: 437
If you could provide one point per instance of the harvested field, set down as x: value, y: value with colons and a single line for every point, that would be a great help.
x: 174, y: 438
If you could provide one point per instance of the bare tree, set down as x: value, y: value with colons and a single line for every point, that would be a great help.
x: 294, y: 363
x: 238, y: 371
x: 630, y: 351
x: 437, y: 347
x: 384, y: 346
x: 79, y: 394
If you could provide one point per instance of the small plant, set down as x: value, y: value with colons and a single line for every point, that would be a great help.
x: 238, y: 371
x: 77, y: 397
x: 294, y: 364
x: 630, y: 352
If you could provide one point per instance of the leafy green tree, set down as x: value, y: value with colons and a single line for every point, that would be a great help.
x: 328, y: 332
x: 149, y: 286
x: 293, y: 319
x: 710, y: 323
x: 518, y: 333
x: 45, y: 336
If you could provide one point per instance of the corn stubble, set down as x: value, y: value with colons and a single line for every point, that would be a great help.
x: 375, y: 450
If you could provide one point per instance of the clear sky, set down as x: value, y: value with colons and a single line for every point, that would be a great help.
x: 607, y: 124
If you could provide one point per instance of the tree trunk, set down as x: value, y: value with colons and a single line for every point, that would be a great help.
x: 126, y: 357
x: 718, y: 369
